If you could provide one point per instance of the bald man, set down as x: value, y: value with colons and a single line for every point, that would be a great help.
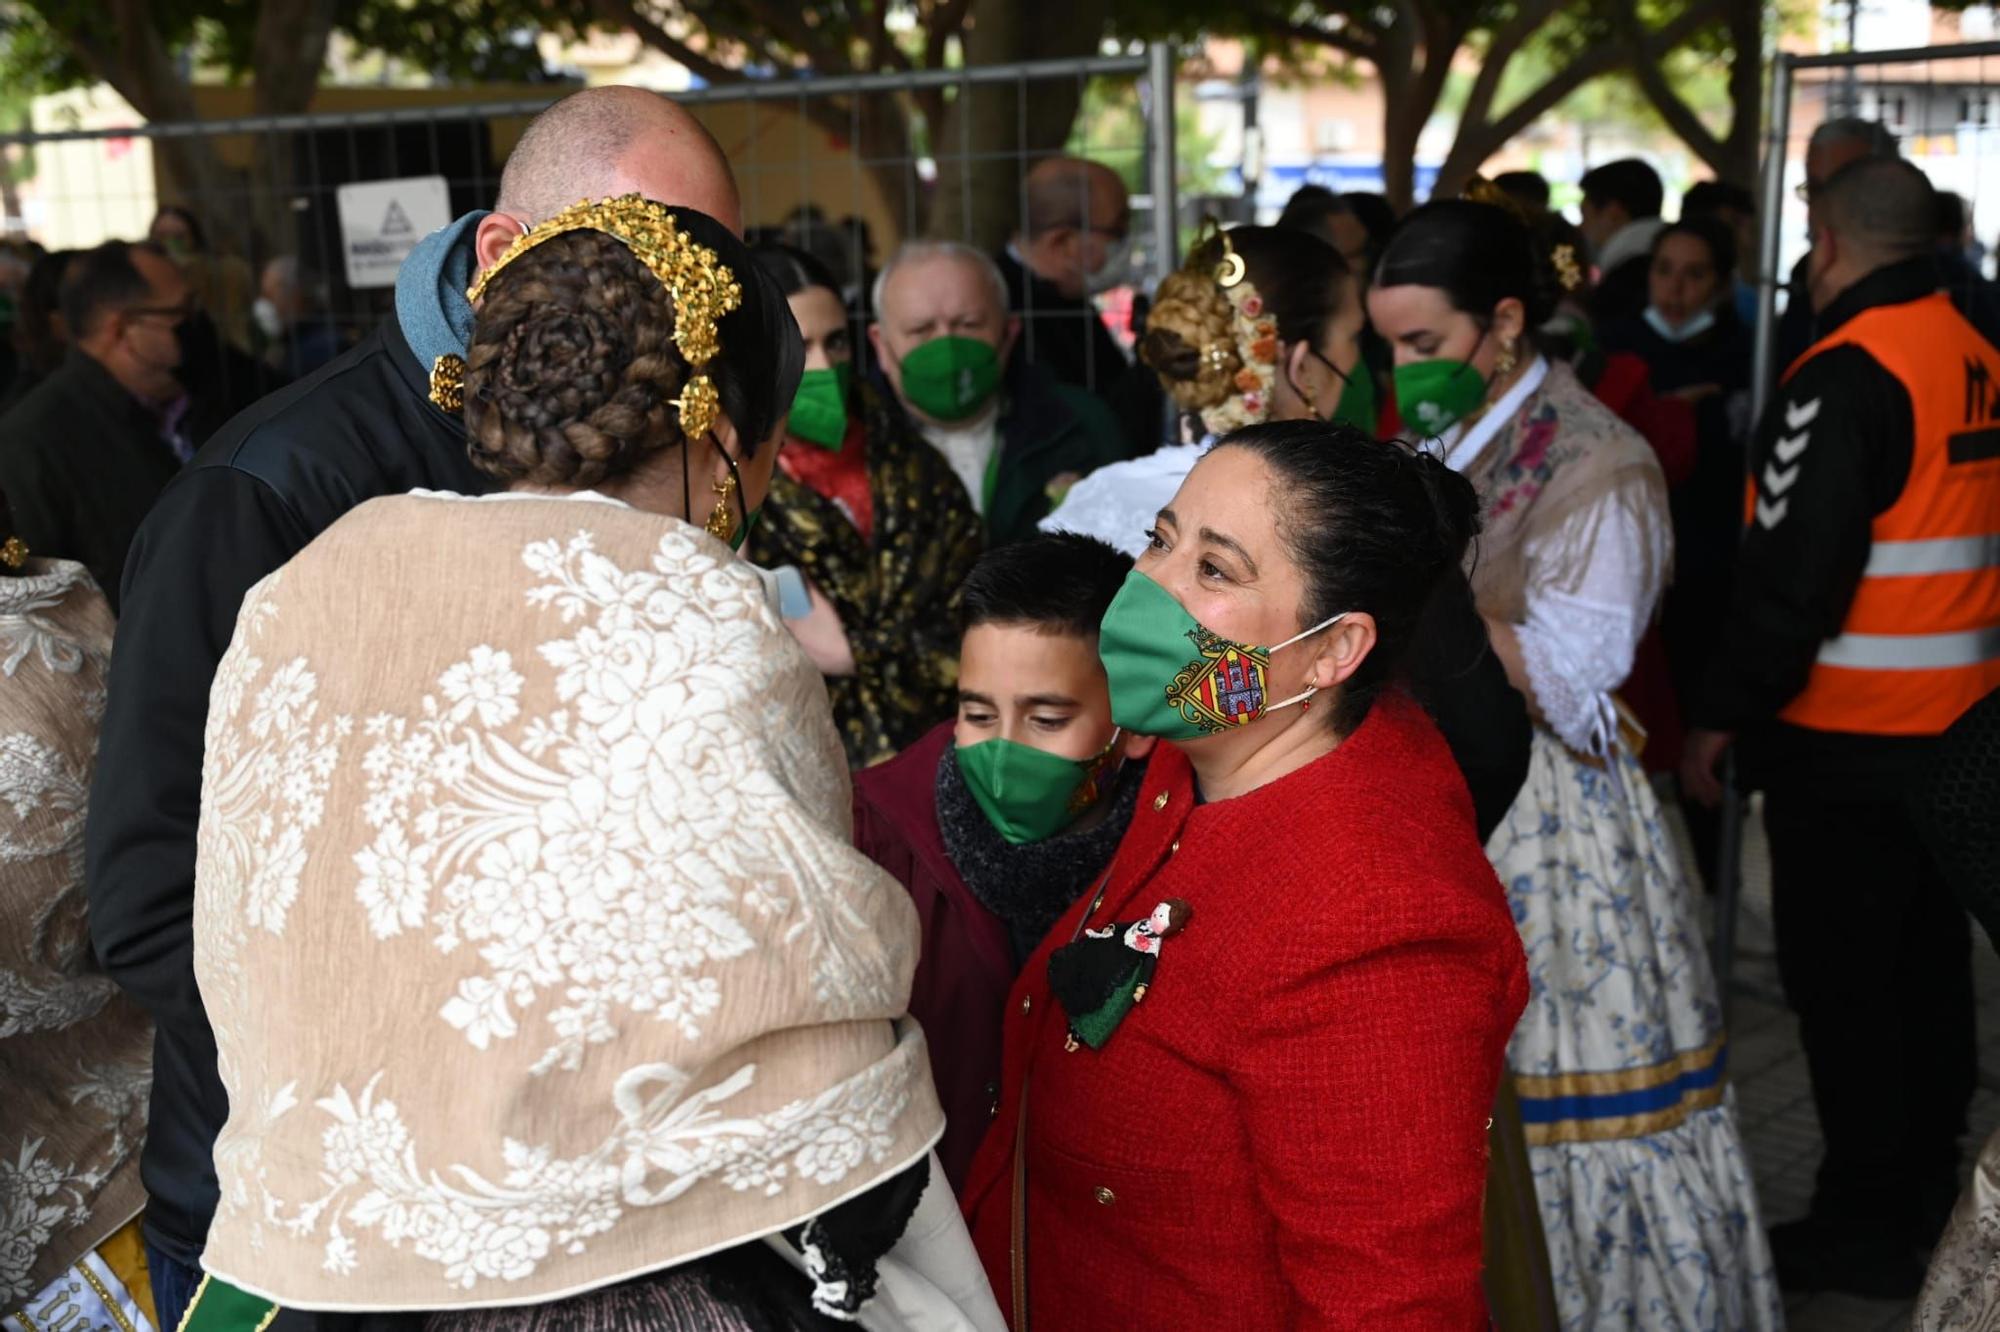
x: 1074, y: 241
x: 376, y: 421
x: 1866, y: 620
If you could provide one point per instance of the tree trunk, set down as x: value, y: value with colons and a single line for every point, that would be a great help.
x: 288, y: 52
x: 988, y: 135
x: 1746, y: 95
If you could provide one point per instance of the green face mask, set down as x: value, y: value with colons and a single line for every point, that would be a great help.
x: 1434, y: 396
x: 1357, y: 401
x: 1028, y: 794
x: 1174, y: 679
x: 950, y: 378
x: 819, y: 412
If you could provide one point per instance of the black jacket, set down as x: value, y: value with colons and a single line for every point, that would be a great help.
x: 81, y: 462
x: 1975, y: 297
x: 1799, y: 565
x: 272, y: 480
x: 1067, y: 337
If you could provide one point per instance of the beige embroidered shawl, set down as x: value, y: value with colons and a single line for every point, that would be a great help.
x: 75, y: 1055
x: 1564, y: 456
x: 527, y: 918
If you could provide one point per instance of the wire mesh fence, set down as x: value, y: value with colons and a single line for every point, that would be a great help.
x: 1942, y: 104
x: 316, y: 211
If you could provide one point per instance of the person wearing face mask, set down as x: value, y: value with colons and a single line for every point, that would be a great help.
x: 86, y: 453
x: 291, y: 317
x: 945, y: 346
x: 1075, y: 242
x: 1864, y: 622
x: 573, y: 800
x: 997, y: 821
x: 877, y: 523
x: 223, y: 283
x: 1259, y: 323
x: 1284, y: 1118
x: 1645, y: 1149
x: 1264, y: 323
x: 1696, y: 350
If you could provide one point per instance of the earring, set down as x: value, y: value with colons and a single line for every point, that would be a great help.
x: 720, y: 525
x: 1504, y: 363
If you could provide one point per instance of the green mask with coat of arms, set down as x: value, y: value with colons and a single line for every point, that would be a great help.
x: 1176, y: 680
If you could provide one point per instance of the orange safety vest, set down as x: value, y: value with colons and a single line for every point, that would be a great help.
x: 1921, y: 642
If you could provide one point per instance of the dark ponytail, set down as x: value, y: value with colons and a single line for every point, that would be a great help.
x: 1373, y: 526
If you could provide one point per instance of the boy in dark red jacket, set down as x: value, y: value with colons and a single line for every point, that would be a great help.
x: 999, y: 820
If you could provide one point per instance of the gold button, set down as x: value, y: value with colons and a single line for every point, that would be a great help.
x: 1160, y: 801
x: 1104, y: 1195
x: 1025, y: 1003
x: 1175, y: 847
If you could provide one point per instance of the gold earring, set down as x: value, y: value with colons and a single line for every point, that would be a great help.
x: 720, y: 525
x: 1504, y: 363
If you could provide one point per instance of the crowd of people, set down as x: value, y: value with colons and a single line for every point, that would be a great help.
x: 688, y: 781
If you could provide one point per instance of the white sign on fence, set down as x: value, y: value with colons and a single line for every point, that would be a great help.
x: 381, y: 221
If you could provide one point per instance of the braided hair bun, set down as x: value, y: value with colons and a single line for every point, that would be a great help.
x: 1190, y: 313
x: 572, y: 370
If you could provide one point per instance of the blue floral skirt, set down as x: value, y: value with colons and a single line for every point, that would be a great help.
x: 1621, y: 1061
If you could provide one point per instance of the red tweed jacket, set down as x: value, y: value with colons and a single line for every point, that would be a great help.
x: 1290, y: 1129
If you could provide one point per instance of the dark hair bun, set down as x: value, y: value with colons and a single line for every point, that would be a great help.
x: 1478, y: 254
x: 572, y: 370
x: 1373, y: 526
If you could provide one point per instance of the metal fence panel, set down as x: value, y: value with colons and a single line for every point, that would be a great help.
x: 844, y: 167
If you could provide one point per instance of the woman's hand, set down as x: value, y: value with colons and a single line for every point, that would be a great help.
x: 821, y: 634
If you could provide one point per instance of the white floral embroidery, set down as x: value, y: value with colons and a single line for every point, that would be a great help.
x: 291, y: 753
x: 532, y: 851
x: 41, y: 1196
x: 600, y: 828
x: 668, y: 1141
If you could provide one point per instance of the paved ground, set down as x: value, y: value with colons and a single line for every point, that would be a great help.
x: 1775, y: 1106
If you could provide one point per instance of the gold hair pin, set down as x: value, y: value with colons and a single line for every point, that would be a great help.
x: 703, y: 288
x: 1568, y: 272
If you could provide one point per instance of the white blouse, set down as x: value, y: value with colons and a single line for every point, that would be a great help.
x: 1582, y: 631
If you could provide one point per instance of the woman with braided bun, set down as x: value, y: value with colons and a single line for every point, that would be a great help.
x: 545, y: 768
x: 1646, y: 1197
x: 1259, y: 323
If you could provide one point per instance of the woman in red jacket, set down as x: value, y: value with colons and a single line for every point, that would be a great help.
x: 1247, y: 1078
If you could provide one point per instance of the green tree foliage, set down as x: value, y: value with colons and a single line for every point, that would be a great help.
x: 1411, y: 48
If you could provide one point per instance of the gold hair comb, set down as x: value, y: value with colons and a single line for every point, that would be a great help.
x: 703, y: 288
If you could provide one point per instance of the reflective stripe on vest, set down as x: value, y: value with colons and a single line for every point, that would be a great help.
x: 1921, y: 640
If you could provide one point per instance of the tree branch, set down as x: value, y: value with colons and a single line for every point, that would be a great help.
x: 625, y: 13
x: 287, y: 51
x: 1673, y: 108
x: 1349, y: 40
x: 1508, y: 39
x: 1598, y: 60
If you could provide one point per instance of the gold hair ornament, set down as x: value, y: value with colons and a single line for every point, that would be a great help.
x: 13, y: 552
x: 703, y: 288
x: 1568, y: 271
x: 448, y: 382
x: 1253, y: 339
